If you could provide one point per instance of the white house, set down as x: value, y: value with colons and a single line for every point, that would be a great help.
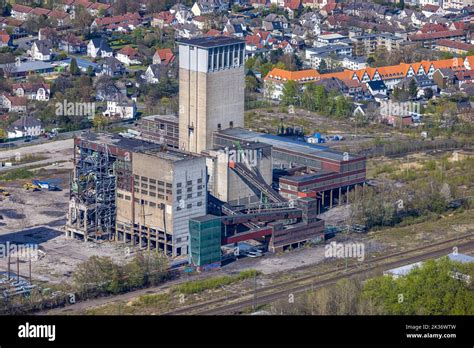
x: 128, y: 56
x: 99, y: 47
x: 25, y: 127
x: 41, y: 50
x: 32, y: 91
x: 121, y: 107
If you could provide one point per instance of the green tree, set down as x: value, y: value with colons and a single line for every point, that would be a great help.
x: 73, y: 68
x: 290, y: 93
x: 412, y: 88
x: 430, y: 289
x: 99, y: 122
x: 323, y: 66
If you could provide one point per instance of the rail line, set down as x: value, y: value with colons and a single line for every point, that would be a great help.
x: 351, y: 271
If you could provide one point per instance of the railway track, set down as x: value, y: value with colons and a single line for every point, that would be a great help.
x: 274, y: 292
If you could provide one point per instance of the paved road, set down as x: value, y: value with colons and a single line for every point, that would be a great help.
x: 55, y: 151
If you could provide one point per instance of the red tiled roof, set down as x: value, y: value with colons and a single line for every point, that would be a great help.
x: 166, y: 55
x: 431, y: 8
x: 431, y: 27
x: 285, y: 75
x: 128, y: 51
x: 436, y: 35
x: 293, y: 4
x: 455, y: 44
x: 40, y: 11
x: 117, y: 19
x: 21, y: 8
x: 58, y: 14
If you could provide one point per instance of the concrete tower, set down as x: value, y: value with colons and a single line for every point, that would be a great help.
x: 211, y: 89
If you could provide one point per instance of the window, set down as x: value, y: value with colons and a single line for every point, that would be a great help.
x: 178, y: 198
x: 199, y: 204
x: 137, y: 177
x: 178, y: 184
x: 152, y: 204
x: 144, y: 178
x: 152, y: 181
x: 152, y: 194
x: 189, y: 206
x: 127, y: 198
x: 144, y: 185
x: 219, y: 126
x: 169, y: 192
x: 199, y: 181
x: 161, y: 183
x: 119, y: 195
x: 144, y: 192
x: 152, y: 187
x: 178, y: 191
x: 190, y: 182
x: 199, y: 194
x: 169, y: 185
x: 189, y: 189
x: 161, y: 196
x: 190, y: 195
x: 136, y: 190
x: 231, y: 124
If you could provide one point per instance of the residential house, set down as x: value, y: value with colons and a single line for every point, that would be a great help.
x: 276, y: 79
x: 163, y: 19
x: 25, y: 126
x: 61, y: 17
x: 163, y: 56
x: 112, y: 67
x: 455, y: 47
x: 20, y: 12
x: 377, y: 88
x: 32, y: 91
x: 41, y: 50
x: 153, y: 73
x: 104, y: 23
x: 99, y: 47
x: 5, y: 39
x: 430, y: 10
x: 13, y: 103
x: 430, y: 40
x: 120, y: 107
x: 445, y: 78
x: 109, y: 90
x: 72, y: 44
x: 129, y: 56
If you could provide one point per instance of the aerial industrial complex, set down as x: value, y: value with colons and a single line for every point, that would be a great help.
x: 193, y: 183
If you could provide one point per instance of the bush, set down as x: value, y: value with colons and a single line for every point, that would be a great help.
x: 17, y: 174
x: 214, y: 283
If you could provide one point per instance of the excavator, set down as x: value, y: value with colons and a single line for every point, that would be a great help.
x: 31, y: 187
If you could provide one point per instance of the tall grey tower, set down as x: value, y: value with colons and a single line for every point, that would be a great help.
x: 211, y: 89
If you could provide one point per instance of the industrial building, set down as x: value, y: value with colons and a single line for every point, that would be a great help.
x: 160, y: 129
x: 211, y: 89
x: 189, y: 185
x: 136, y: 192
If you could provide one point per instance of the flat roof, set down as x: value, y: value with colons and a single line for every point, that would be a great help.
x: 309, y: 176
x: 171, y: 155
x: 284, y: 144
x: 128, y: 144
x: 210, y: 41
x: 169, y: 118
x: 29, y: 66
